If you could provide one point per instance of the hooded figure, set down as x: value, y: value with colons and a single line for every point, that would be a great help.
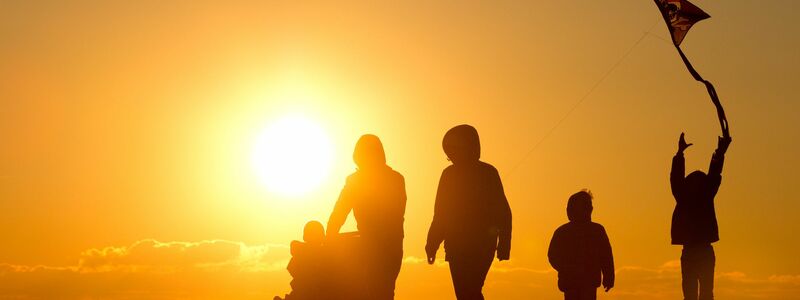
x: 581, y: 252
x: 471, y: 215
x: 377, y: 196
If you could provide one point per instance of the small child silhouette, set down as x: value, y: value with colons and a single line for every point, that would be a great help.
x: 581, y: 252
x: 306, y: 265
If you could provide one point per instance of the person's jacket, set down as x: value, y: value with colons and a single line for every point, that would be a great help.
x: 471, y: 213
x: 694, y: 220
x: 581, y: 253
x: 377, y: 197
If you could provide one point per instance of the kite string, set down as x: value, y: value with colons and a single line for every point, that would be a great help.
x: 581, y: 100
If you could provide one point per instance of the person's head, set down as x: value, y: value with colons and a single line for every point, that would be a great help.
x: 579, y: 206
x: 313, y: 233
x: 369, y: 152
x: 461, y: 144
x: 695, y: 181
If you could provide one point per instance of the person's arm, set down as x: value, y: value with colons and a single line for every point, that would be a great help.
x: 503, y: 220
x: 608, y: 261
x: 678, y: 171
x: 340, y: 211
x: 717, y: 161
x: 555, y: 251
x: 403, y: 196
x: 437, y: 230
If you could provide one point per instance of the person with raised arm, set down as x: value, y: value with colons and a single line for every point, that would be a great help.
x: 694, y: 220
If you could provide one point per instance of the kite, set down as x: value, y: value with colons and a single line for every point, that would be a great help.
x: 680, y: 15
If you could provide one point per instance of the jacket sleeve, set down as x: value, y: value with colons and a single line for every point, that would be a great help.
x: 503, y: 211
x: 677, y: 175
x: 555, y: 251
x: 436, y: 232
x: 607, y: 266
x: 715, y: 172
x: 342, y: 208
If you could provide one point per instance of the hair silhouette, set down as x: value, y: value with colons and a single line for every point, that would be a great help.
x: 461, y: 144
x: 471, y: 215
x: 694, y: 220
x: 377, y: 197
x: 581, y: 252
x: 369, y: 152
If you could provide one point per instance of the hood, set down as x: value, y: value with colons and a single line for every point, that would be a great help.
x: 579, y: 207
x: 369, y: 152
x: 461, y: 144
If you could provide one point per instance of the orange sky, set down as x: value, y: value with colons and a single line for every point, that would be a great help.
x: 125, y: 122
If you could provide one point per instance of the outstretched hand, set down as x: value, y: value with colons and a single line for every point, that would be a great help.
x: 722, y: 144
x: 682, y: 145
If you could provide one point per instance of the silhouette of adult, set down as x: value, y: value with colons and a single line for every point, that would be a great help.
x: 377, y: 196
x: 581, y: 252
x: 471, y: 214
x: 694, y: 221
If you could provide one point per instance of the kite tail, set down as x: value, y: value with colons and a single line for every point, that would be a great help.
x: 712, y: 92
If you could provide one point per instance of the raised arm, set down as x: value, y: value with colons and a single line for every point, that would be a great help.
x: 340, y: 211
x: 678, y: 171
x: 717, y: 160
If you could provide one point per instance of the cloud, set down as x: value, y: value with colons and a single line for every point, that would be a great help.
x: 155, y: 256
x: 149, y: 269
x: 220, y: 269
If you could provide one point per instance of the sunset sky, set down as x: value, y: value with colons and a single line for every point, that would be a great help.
x: 129, y: 128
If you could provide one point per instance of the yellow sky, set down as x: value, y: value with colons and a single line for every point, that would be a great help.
x: 128, y: 121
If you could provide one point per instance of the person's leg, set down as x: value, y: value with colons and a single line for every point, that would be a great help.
x: 590, y: 293
x: 571, y: 295
x: 581, y: 294
x: 706, y: 273
x: 468, y: 276
x: 689, y: 273
x: 383, y: 272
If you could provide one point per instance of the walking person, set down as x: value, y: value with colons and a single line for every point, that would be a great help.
x: 581, y: 252
x: 471, y: 215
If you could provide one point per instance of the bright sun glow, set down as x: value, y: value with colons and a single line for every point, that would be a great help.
x: 292, y: 156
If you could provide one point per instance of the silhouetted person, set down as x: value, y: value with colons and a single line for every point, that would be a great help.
x: 581, y: 253
x: 471, y: 214
x: 694, y: 221
x: 377, y: 196
x: 308, y: 265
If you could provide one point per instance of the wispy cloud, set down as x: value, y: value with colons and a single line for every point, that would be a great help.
x: 220, y: 269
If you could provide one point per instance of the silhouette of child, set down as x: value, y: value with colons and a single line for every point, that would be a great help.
x: 694, y: 220
x: 581, y: 252
x: 307, y: 265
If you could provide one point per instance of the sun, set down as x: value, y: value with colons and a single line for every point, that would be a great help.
x: 292, y: 156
